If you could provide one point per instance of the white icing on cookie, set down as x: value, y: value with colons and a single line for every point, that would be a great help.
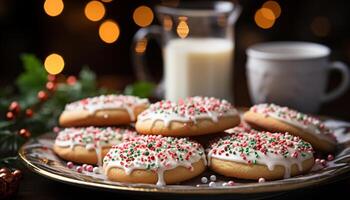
x: 305, y: 122
x: 102, y: 102
x: 93, y: 138
x: 188, y: 110
x: 245, y: 145
x: 154, y: 153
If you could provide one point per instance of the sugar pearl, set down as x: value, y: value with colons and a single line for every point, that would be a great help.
x: 261, y: 180
x: 323, y: 162
x: 204, y: 179
x: 225, y: 184
x: 89, y: 168
x: 317, y: 161
x: 212, y: 184
x: 79, y: 169
x: 84, y: 167
x: 96, y: 170
x: 213, y: 178
x: 330, y: 157
x: 231, y: 183
x: 70, y: 165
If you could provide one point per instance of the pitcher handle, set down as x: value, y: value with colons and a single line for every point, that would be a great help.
x: 139, y: 44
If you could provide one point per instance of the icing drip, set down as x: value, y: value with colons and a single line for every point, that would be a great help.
x: 94, y: 104
x: 305, y: 122
x: 188, y: 110
x: 245, y: 145
x: 155, y: 153
x: 93, y: 138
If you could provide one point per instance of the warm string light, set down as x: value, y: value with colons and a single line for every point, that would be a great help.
x: 141, y: 46
x: 266, y: 16
x: 94, y: 11
x: 182, y: 28
x: 274, y: 7
x: 54, y: 64
x: 167, y: 23
x: 53, y: 8
x: 109, y: 31
x: 143, y: 16
x: 107, y: 1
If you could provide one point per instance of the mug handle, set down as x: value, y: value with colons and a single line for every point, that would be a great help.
x: 138, y: 48
x: 343, y: 86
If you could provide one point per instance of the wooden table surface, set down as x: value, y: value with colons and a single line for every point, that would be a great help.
x: 36, y: 187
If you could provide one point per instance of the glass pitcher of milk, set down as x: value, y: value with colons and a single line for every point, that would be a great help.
x: 197, y: 39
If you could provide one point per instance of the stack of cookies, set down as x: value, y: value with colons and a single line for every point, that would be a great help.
x: 91, y: 126
x: 170, y: 141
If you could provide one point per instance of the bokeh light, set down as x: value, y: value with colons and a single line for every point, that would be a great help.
x: 182, y: 28
x: 321, y: 26
x: 141, y: 46
x: 53, y: 7
x: 264, y: 18
x: 143, y: 16
x: 107, y: 1
x: 54, y: 64
x: 274, y: 7
x: 109, y: 31
x: 167, y: 23
x: 95, y: 11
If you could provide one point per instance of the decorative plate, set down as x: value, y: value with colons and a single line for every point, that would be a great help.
x: 37, y: 154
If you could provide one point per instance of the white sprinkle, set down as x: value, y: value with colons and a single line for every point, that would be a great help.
x: 198, y: 185
x: 204, y: 179
x: 212, y: 184
x: 261, y: 180
x: 225, y: 184
x: 96, y: 170
x: 213, y: 178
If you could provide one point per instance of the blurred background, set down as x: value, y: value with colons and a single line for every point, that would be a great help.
x: 99, y: 33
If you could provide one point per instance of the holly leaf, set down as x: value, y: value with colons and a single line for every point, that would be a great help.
x: 141, y: 89
x: 34, y: 76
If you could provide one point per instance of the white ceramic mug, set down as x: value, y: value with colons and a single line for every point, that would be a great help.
x: 293, y: 74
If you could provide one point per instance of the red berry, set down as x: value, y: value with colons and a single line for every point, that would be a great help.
x: 14, y: 107
x: 42, y: 95
x: 50, y: 86
x: 5, y: 170
x: 29, y: 112
x: 17, y: 174
x: 24, y: 133
x: 10, y: 115
x: 71, y: 80
x: 51, y: 78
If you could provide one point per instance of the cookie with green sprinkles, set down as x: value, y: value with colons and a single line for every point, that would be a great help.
x: 90, y: 144
x: 249, y: 154
x: 155, y: 160
x: 274, y: 118
x: 193, y: 116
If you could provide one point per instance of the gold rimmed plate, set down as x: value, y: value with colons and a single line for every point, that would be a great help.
x: 37, y: 154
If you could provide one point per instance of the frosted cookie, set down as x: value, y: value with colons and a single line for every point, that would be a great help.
x: 190, y: 117
x: 104, y: 110
x: 155, y: 160
x: 89, y: 145
x: 250, y: 154
x: 282, y: 119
